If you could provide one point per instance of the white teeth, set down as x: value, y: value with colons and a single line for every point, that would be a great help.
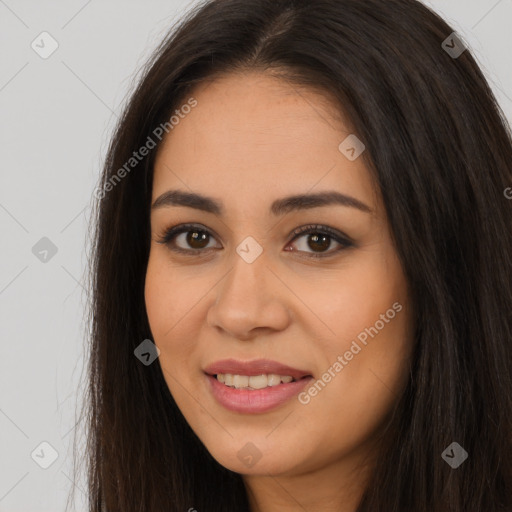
x: 240, y: 381
x: 274, y: 380
x: 254, y: 381
x: 258, y: 381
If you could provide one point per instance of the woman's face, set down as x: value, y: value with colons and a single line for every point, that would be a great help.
x: 330, y: 303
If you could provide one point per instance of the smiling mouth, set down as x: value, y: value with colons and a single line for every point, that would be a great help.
x: 255, y: 394
x: 255, y: 382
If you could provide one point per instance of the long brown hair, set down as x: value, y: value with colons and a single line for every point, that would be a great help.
x: 440, y: 151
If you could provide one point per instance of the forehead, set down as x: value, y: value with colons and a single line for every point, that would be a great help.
x: 254, y: 137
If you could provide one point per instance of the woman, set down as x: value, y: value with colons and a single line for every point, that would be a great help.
x: 301, y: 270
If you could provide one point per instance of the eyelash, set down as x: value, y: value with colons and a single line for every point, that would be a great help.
x: 171, y: 233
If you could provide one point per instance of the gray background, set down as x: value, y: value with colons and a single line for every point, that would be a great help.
x: 56, y: 118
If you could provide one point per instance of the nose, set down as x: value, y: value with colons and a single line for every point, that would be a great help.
x: 250, y: 300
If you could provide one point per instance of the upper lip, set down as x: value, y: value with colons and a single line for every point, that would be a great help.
x: 255, y: 367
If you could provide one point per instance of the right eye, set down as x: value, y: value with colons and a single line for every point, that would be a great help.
x: 188, y: 239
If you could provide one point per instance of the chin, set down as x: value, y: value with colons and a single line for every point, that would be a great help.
x: 256, y: 457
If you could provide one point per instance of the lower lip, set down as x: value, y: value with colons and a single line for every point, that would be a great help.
x: 256, y: 400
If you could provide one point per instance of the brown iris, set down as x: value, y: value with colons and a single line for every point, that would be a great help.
x: 319, y: 241
x: 197, y: 237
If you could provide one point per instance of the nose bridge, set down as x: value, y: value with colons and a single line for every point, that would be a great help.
x: 247, y: 280
x: 246, y: 298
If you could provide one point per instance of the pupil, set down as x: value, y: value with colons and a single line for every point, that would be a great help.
x: 195, y: 237
x: 323, y: 239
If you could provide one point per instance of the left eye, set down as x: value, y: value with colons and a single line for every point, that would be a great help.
x: 317, y: 238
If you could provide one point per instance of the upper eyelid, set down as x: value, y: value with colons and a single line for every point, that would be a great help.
x: 184, y: 228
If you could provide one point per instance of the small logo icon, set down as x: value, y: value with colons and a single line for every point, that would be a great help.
x: 454, y: 455
x: 147, y: 352
x: 44, y: 455
x: 454, y: 46
x: 352, y: 147
x: 44, y: 45
x: 44, y: 250
x: 249, y: 454
x: 249, y: 249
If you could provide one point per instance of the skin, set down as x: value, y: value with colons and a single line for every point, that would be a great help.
x: 251, y: 139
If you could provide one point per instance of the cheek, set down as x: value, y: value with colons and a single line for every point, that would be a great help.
x: 370, y: 322
x: 169, y: 302
x: 353, y: 299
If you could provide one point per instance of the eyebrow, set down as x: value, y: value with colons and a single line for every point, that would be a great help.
x: 278, y: 207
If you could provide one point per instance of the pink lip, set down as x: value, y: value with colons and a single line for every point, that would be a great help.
x: 259, y: 400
